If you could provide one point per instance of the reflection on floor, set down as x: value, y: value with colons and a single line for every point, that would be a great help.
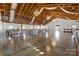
x: 38, y: 46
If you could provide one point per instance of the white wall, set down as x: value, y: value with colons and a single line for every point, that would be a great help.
x: 0, y: 26
x: 0, y: 30
x: 65, y: 40
x: 63, y: 22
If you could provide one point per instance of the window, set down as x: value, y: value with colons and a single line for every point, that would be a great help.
x: 10, y: 27
x: 74, y: 26
x: 0, y: 27
x: 24, y: 27
x: 57, y: 32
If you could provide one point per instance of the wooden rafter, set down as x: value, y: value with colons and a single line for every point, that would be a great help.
x: 25, y: 9
x: 20, y: 11
x: 31, y: 12
x: 24, y: 12
x: 29, y: 9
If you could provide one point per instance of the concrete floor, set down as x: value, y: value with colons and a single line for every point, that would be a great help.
x: 39, y: 46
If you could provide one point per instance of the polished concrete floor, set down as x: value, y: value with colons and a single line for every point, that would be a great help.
x: 39, y: 46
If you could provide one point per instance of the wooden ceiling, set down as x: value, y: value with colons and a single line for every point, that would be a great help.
x: 23, y: 13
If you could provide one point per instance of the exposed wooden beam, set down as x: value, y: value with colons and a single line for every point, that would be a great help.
x: 31, y: 12
x: 31, y: 6
x: 21, y: 15
x: 25, y: 8
x: 20, y: 10
x: 26, y: 11
x: 38, y: 6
